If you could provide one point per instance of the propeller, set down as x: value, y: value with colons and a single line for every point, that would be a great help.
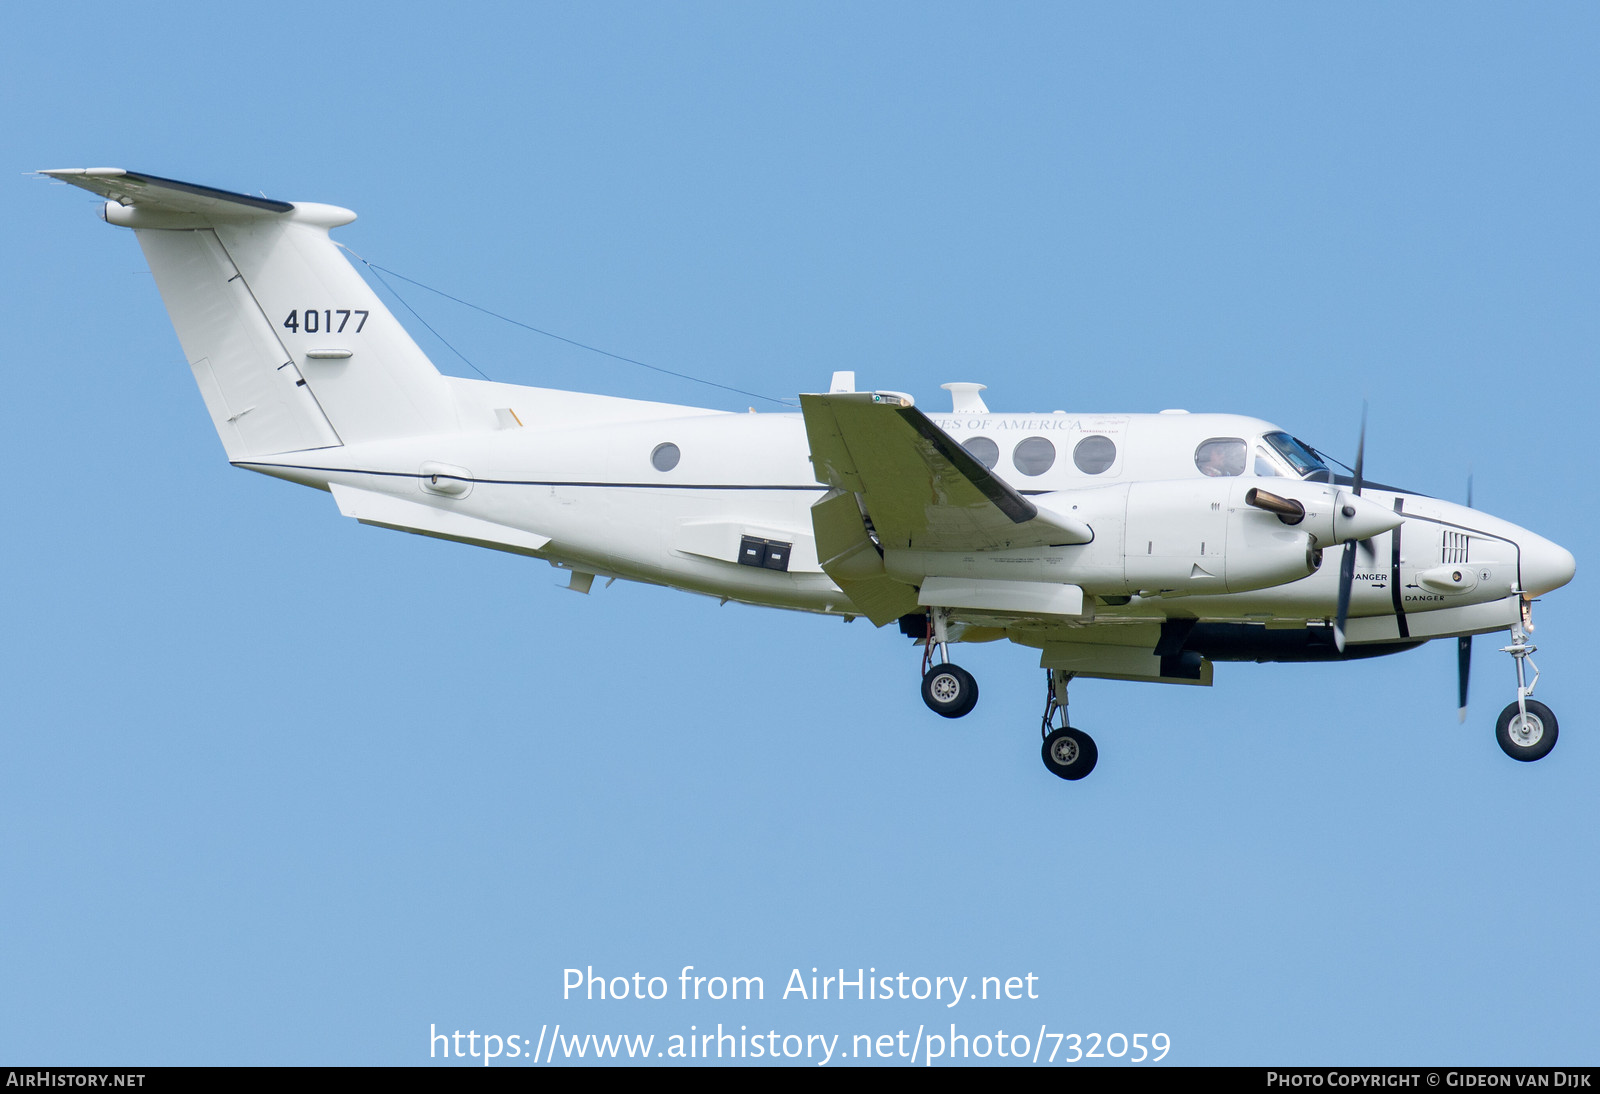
x: 1368, y: 546
x: 1347, y: 565
x: 1463, y: 648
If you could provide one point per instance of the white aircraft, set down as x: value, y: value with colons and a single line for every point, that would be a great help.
x: 1121, y: 546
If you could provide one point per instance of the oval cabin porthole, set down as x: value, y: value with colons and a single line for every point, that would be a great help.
x: 665, y: 457
x: 1095, y: 454
x: 1034, y: 456
x: 984, y: 451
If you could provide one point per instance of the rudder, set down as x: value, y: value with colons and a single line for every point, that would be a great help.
x: 258, y: 399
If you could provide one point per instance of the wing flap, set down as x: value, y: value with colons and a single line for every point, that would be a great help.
x: 1043, y: 598
x: 847, y: 555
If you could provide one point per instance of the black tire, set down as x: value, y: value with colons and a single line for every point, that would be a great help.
x: 949, y: 690
x: 1532, y: 741
x: 1069, y: 754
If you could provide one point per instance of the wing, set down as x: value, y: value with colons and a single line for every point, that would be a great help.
x: 916, y: 484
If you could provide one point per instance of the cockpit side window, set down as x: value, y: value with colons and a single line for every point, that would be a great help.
x: 1299, y: 455
x: 1265, y: 467
x: 1221, y: 456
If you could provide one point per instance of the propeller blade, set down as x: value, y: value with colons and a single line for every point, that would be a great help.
x: 1347, y: 565
x: 1361, y: 450
x: 1347, y: 575
x: 1469, y: 489
x: 1463, y: 671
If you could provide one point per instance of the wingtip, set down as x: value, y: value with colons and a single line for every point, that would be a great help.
x: 82, y: 172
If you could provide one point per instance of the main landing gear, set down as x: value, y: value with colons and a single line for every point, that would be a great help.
x: 948, y: 689
x: 1526, y: 730
x: 1068, y: 753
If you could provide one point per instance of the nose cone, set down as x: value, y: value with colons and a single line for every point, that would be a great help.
x: 1545, y: 566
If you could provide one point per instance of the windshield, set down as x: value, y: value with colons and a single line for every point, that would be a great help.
x: 1299, y: 456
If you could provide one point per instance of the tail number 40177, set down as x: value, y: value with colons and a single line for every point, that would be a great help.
x: 312, y: 321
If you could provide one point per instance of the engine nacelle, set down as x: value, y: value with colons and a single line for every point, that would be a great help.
x: 1184, y: 538
x: 1176, y: 538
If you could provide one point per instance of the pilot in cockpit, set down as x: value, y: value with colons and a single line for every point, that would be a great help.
x: 1221, y: 457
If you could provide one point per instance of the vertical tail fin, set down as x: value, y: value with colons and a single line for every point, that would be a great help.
x: 290, y: 347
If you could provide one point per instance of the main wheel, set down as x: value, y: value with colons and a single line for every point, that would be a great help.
x: 949, y: 690
x: 1070, y: 753
x: 1526, y: 738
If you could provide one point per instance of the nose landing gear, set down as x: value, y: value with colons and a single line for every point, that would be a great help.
x: 1526, y: 730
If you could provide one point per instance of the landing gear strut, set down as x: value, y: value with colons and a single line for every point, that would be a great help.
x: 1068, y: 753
x: 947, y: 689
x: 1526, y: 730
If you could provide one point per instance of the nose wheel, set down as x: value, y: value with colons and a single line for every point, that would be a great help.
x: 1525, y: 730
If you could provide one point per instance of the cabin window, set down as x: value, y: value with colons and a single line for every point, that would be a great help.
x: 986, y: 451
x: 1221, y: 456
x: 1034, y: 456
x: 1095, y: 454
x: 665, y: 457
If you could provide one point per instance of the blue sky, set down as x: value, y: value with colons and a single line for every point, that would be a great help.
x: 280, y: 788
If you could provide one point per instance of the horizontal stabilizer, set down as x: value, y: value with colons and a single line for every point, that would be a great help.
x: 167, y: 195
x: 387, y: 511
